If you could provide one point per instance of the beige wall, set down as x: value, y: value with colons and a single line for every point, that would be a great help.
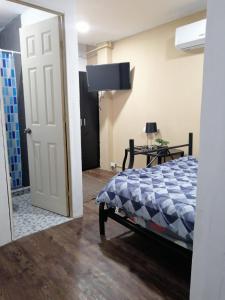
x: 106, y: 121
x: 92, y: 60
x: 167, y: 88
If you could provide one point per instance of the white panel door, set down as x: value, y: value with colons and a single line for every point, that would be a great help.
x: 43, y: 93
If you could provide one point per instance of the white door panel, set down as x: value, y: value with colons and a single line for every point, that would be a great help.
x: 42, y: 78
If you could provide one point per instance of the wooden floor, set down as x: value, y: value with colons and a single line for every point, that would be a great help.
x: 94, y: 181
x: 70, y: 261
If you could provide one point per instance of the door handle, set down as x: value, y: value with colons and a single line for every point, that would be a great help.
x: 84, y: 122
x: 28, y: 131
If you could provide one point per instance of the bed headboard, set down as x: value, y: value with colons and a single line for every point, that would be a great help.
x: 132, y: 152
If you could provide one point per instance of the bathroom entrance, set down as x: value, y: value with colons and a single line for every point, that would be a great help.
x: 32, y: 99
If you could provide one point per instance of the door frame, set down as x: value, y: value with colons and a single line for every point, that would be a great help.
x: 8, y: 193
x: 65, y: 110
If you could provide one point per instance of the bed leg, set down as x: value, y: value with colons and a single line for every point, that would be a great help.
x: 102, y: 218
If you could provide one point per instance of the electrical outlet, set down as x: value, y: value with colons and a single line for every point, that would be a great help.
x: 113, y: 165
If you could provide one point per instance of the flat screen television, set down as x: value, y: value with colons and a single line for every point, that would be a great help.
x: 109, y: 77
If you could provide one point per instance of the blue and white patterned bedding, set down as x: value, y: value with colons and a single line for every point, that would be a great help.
x: 164, y: 195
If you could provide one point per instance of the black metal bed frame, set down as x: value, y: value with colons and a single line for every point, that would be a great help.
x: 105, y: 212
x: 157, y: 152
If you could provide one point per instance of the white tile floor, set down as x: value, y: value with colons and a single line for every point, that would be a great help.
x: 28, y: 219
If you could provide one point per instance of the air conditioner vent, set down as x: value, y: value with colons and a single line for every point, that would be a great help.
x: 191, y: 36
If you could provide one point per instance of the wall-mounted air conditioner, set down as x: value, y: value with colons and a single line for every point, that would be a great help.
x: 191, y: 36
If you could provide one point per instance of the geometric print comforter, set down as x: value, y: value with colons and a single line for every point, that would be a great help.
x: 164, y: 194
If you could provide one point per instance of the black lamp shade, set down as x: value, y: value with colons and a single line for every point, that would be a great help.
x: 151, y: 127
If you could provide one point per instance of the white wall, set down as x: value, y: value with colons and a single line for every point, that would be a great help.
x: 32, y: 16
x: 82, y: 53
x: 208, y: 273
x: 68, y: 7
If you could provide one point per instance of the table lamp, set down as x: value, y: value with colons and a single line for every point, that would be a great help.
x: 150, y: 129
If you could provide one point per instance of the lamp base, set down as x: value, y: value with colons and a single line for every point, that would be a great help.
x: 149, y: 141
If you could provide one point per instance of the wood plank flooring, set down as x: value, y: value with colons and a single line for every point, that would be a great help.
x: 71, y: 261
x: 94, y: 181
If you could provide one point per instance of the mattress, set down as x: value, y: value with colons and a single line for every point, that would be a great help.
x: 164, y: 195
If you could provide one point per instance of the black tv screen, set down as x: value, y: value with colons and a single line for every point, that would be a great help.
x: 109, y: 77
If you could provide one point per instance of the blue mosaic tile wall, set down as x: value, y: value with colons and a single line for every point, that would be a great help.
x: 9, y: 92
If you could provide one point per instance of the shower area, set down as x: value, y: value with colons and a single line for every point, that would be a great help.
x: 14, y: 111
x: 13, y: 102
x: 27, y: 219
x: 14, y: 126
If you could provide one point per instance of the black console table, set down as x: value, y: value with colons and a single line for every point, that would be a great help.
x: 152, y: 154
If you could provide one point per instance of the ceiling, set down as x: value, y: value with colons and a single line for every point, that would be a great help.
x: 112, y: 20
x: 8, y: 11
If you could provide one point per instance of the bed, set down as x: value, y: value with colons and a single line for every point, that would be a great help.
x: 159, y: 200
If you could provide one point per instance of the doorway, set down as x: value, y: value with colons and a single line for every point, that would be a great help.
x: 30, y: 79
